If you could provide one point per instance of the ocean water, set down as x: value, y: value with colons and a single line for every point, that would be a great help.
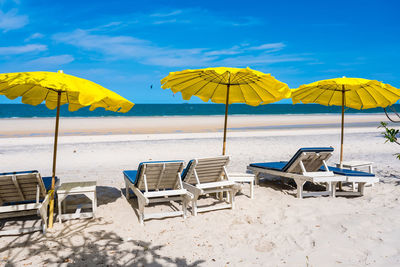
x: 27, y: 111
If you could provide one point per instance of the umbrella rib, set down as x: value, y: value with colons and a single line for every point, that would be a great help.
x: 330, y: 99
x: 242, y: 78
x: 376, y: 102
x: 206, y: 85
x: 187, y: 80
x: 322, y: 91
x: 178, y: 75
x: 258, y: 94
x: 359, y: 97
x: 389, y: 92
x: 47, y: 94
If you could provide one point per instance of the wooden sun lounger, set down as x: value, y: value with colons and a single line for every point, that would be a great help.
x: 23, y: 194
x: 303, y: 167
x: 208, y: 175
x: 155, y: 182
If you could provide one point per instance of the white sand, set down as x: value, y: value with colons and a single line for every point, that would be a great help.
x: 274, y: 229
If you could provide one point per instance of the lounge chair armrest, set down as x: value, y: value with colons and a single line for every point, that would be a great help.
x: 192, y: 189
x: 237, y: 187
x: 42, y: 211
x: 189, y: 196
x: 139, y: 194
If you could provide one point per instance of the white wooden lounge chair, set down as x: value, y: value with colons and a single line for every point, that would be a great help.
x: 305, y: 166
x: 158, y: 181
x: 24, y: 194
x: 208, y: 175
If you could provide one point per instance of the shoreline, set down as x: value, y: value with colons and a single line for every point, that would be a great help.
x: 94, y: 126
x: 361, y: 113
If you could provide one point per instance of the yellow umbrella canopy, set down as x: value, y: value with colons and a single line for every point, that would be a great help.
x: 36, y: 87
x: 354, y: 93
x: 227, y: 86
x: 57, y: 89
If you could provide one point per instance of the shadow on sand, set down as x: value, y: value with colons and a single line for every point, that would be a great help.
x: 71, y: 245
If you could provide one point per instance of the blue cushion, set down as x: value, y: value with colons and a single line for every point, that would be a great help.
x: 133, y: 175
x: 285, y: 165
x: 347, y: 172
x: 47, y: 182
x: 277, y: 166
x: 306, y: 149
x: 185, y: 171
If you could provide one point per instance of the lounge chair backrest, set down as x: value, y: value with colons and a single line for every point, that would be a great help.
x: 159, y: 175
x: 21, y: 186
x: 207, y: 170
x: 311, y: 158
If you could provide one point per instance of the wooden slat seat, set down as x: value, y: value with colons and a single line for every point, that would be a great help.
x: 22, y: 194
x: 158, y: 181
x: 204, y: 176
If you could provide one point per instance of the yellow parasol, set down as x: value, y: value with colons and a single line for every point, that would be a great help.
x: 354, y: 93
x: 57, y: 89
x: 227, y: 86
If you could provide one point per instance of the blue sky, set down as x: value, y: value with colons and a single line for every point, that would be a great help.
x: 128, y: 46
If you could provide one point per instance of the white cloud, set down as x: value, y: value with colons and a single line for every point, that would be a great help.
x: 36, y: 35
x: 168, y: 14
x: 52, y: 60
x: 126, y: 47
x: 270, y: 47
x: 148, y: 53
x: 11, y: 21
x: 164, y: 21
x: 248, y: 60
x: 15, y: 50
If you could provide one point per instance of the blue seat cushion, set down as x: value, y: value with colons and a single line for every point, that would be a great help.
x: 133, y: 175
x: 47, y: 182
x: 276, y: 166
x: 185, y: 171
x: 285, y: 165
x: 347, y: 172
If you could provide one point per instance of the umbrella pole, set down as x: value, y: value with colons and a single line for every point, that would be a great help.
x: 342, y: 130
x: 53, y: 180
x: 226, y: 117
x: 341, y: 135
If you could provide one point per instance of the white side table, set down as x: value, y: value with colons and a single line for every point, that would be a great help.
x: 76, y: 188
x: 356, y: 165
x: 244, y: 178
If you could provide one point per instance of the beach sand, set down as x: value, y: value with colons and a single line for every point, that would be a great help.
x: 274, y: 229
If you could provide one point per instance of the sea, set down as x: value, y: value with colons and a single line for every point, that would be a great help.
x: 28, y: 111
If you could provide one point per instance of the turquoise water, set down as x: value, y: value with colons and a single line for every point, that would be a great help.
x: 27, y: 111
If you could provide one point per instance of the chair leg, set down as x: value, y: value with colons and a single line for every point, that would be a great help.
x: 194, y: 206
x: 127, y: 189
x: 141, y: 211
x: 231, y: 194
x: 300, y: 184
x: 184, y: 206
x: 252, y: 189
x: 361, y: 188
x: 333, y: 189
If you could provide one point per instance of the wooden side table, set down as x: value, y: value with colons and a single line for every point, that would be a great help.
x: 244, y: 178
x: 76, y: 188
x: 356, y: 165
